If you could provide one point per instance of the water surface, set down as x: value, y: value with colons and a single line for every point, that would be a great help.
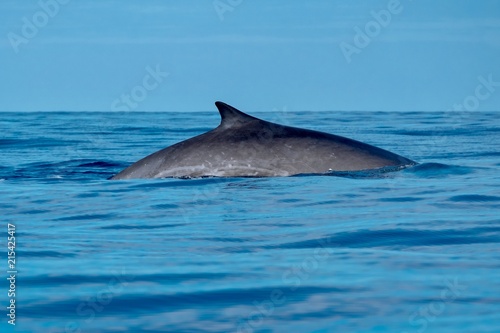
x: 409, y: 251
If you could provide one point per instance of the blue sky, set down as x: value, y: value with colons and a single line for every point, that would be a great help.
x: 259, y: 55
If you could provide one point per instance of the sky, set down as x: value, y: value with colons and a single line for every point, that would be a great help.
x: 257, y: 55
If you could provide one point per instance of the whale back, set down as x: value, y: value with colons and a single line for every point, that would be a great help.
x: 246, y: 146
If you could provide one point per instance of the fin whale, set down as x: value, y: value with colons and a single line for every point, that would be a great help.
x: 245, y: 146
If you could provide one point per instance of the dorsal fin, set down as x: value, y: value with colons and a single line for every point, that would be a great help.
x: 231, y: 117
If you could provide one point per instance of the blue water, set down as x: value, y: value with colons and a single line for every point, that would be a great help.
x: 409, y: 251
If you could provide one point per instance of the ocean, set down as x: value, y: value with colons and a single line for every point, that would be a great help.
x: 410, y: 251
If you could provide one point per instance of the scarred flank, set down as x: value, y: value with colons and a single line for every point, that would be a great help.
x: 245, y: 146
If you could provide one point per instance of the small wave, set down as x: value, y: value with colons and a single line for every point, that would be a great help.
x: 401, y: 199
x: 135, y: 226
x: 474, y: 198
x: 34, y: 143
x: 432, y: 170
x: 155, y: 303
x: 482, y: 154
x: 71, y: 169
x: 396, y: 238
x: 133, y: 129
x: 99, y: 164
x: 86, y: 217
x: 45, y: 254
x: 437, y: 132
x: 75, y: 279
